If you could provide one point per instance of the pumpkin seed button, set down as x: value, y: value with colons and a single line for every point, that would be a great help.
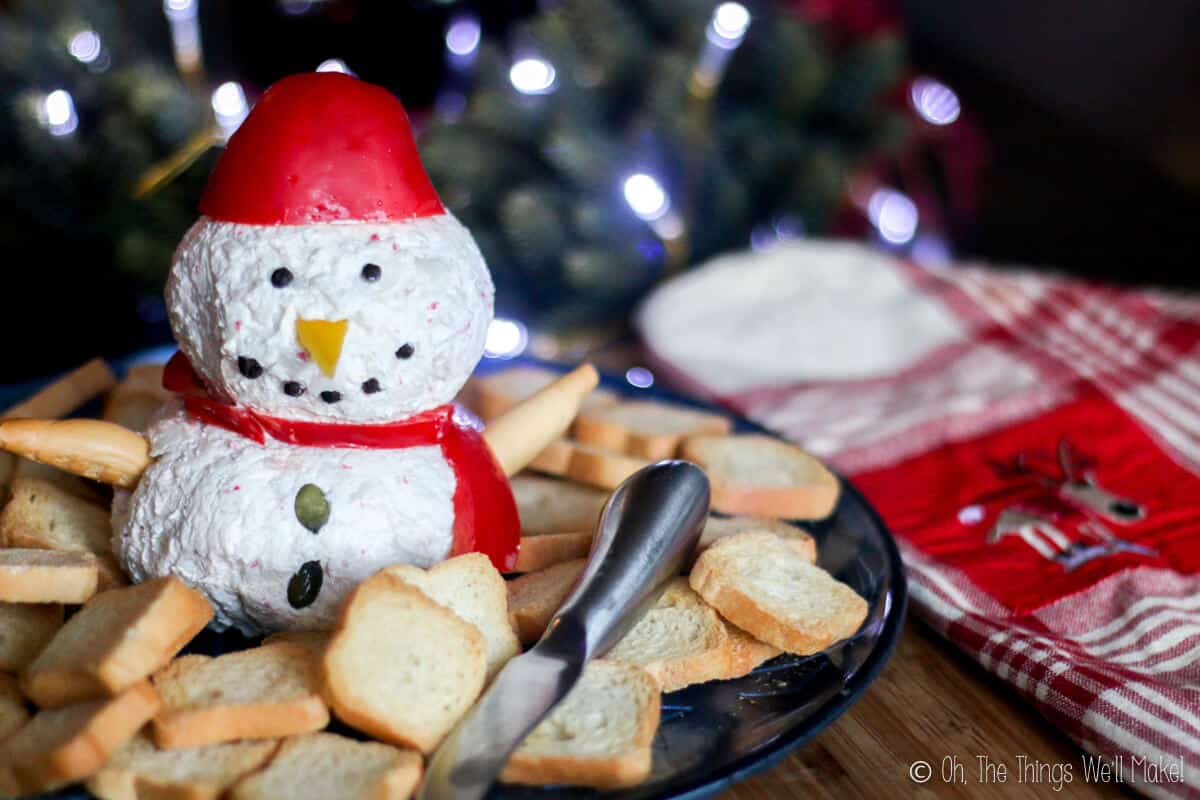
x: 312, y: 507
x: 305, y: 585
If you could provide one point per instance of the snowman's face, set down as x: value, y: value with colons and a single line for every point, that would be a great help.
x: 352, y: 322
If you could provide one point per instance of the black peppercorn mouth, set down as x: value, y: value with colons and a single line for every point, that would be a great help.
x: 331, y: 396
x: 249, y: 367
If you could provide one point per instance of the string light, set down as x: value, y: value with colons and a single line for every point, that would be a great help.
x: 646, y: 196
x: 230, y: 107
x: 893, y: 214
x: 532, y: 76
x: 730, y: 21
x: 463, y: 35
x: 506, y: 338
x: 58, y: 113
x: 640, y: 377
x: 185, y: 36
x: 85, y: 46
x: 334, y: 65
x: 724, y: 34
x: 934, y: 101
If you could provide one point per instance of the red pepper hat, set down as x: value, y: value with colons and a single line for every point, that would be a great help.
x: 321, y: 147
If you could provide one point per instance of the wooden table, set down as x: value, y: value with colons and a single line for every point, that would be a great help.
x: 932, y: 704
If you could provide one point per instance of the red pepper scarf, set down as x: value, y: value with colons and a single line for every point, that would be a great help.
x: 485, y: 513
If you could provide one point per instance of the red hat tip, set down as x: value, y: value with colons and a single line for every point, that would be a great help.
x: 321, y: 147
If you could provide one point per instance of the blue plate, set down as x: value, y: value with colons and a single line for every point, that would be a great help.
x: 718, y: 733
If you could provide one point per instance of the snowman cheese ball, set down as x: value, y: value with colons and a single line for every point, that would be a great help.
x: 327, y: 310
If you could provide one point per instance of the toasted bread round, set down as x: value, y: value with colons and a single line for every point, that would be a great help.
x: 761, y: 584
x: 646, y: 428
x: 47, y: 576
x: 534, y: 599
x: 63, y: 745
x: 762, y: 476
x: 596, y: 466
x: 717, y: 528
x: 261, y: 693
x: 679, y: 641
x: 118, y: 638
x: 25, y: 628
x: 577, y: 746
x: 473, y: 589
x: 400, y: 666
x: 12, y: 707
x: 317, y: 766
x: 546, y: 505
x: 139, y: 769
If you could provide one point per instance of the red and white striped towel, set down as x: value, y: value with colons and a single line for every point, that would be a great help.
x: 1033, y: 443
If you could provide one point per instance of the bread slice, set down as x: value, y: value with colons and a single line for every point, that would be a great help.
x: 646, y: 428
x: 400, y: 666
x: 763, y: 476
x: 546, y: 505
x: 489, y: 396
x: 25, y: 628
x: 597, y: 466
x: 599, y: 735
x: 746, y: 653
x: 44, y: 516
x: 13, y: 713
x: 47, y: 576
x: 136, y: 398
x: 679, y: 641
x: 118, y: 638
x: 541, y: 552
x: 260, y: 693
x: 24, y: 469
x: 8, y: 465
x: 761, y: 584
x: 717, y: 528
x: 555, y: 459
x: 473, y: 589
x: 534, y: 599
x: 312, y: 641
x: 317, y: 766
x: 63, y: 745
x: 141, y: 770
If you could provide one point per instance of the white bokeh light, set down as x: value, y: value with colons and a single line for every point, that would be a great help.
x: 646, y: 196
x: 730, y: 22
x: 463, y: 35
x: 58, y: 113
x: 934, y: 101
x: 180, y: 9
x: 506, y: 338
x: 85, y: 46
x: 532, y: 76
x: 640, y: 377
x: 894, y: 215
x: 334, y: 65
x: 230, y: 107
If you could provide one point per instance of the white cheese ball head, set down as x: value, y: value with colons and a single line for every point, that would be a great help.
x: 416, y: 294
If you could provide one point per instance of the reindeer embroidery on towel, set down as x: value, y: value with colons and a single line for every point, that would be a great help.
x: 1053, y: 495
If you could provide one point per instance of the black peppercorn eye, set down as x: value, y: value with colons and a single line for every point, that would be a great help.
x: 293, y: 389
x: 371, y: 273
x: 331, y: 397
x: 406, y: 351
x: 371, y: 386
x: 281, y: 277
x: 249, y: 367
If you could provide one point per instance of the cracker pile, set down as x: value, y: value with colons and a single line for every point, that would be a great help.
x: 95, y: 688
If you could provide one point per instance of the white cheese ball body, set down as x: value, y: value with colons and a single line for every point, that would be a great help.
x: 416, y: 319
x: 218, y: 510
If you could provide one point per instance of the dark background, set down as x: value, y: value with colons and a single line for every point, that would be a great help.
x: 1090, y: 114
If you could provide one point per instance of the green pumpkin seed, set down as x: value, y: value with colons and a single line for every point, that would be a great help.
x: 312, y: 507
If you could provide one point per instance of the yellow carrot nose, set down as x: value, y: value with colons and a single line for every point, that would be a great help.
x: 322, y: 340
